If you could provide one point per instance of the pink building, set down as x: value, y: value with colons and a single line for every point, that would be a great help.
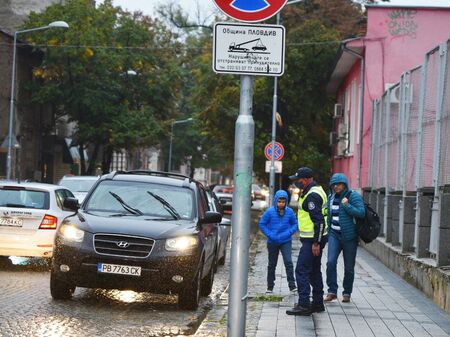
x: 397, y: 39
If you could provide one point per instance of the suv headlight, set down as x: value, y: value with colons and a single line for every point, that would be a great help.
x: 72, y: 233
x: 181, y: 243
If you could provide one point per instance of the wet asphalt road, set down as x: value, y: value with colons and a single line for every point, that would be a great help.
x: 27, y: 308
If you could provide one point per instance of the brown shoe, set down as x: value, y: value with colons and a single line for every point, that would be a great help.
x: 346, y: 298
x: 330, y: 297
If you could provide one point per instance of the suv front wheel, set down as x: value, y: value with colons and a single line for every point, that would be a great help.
x: 189, y: 298
x: 59, y: 289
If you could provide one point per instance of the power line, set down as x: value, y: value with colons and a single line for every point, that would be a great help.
x: 182, y: 47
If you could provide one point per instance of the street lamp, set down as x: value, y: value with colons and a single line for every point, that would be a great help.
x: 11, y: 136
x: 171, y: 139
x: 274, y: 121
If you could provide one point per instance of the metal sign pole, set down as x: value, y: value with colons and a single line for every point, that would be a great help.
x: 243, y: 167
x: 274, y: 132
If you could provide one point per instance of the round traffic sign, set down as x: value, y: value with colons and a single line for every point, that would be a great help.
x: 250, y: 10
x: 278, y: 153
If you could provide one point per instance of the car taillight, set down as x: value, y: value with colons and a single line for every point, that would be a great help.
x: 49, y: 222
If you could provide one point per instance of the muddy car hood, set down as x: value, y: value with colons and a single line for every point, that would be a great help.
x: 133, y: 225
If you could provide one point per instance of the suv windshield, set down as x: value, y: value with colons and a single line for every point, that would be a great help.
x: 138, y: 198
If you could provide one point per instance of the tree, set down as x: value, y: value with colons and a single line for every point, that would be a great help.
x: 314, y: 31
x: 82, y: 76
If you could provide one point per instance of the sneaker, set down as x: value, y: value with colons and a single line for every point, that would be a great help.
x: 330, y: 297
x: 299, y: 310
x: 293, y: 290
x: 317, y: 307
x: 345, y: 298
x: 269, y: 290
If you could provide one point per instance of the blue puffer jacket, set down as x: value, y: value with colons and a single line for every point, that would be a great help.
x: 278, y: 228
x: 347, y: 213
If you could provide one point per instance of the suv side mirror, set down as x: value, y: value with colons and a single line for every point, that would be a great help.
x: 211, y: 217
x: 71, y: 203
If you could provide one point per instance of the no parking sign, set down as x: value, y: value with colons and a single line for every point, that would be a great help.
x: 278, y: 153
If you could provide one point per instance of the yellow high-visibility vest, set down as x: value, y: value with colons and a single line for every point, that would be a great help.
x: 305, y: 224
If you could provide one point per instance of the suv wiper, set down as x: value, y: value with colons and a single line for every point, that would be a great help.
x: 125, y: 205
x: 166, y: 205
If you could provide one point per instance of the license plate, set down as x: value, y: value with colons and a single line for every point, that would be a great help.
x: 118, y: 269
x: 13, y: 222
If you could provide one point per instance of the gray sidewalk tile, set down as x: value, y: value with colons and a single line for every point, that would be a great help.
x: 397, y: 328
x: 434, y: 330
x: 378, y: 327
x: 416, y: 329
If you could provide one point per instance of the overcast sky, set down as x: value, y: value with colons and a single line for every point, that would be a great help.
x: 208, y: 7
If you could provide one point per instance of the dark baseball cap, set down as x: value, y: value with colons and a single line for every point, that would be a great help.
x: 302, y: 172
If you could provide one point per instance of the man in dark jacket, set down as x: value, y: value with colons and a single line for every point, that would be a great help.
x: 313, y: 236
x: 343, y: 206
x: 278, y: 223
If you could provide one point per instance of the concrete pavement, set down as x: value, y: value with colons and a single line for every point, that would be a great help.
x: 382, y: 304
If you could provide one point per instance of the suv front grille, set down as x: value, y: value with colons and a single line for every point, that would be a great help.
x: 122, y: 245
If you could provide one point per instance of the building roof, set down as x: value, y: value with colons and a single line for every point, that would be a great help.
x: 344, y: 63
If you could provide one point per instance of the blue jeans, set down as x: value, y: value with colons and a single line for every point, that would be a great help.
x: 309, y: 275
x: 286, y: 252
x: 335, y: 245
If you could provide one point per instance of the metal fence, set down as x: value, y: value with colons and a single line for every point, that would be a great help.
x: 409, y: 172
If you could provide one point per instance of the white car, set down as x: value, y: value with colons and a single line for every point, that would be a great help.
x: 29, y: 216
x: 79, y: 185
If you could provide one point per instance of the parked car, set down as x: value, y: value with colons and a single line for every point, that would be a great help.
x: 29, y: 216
x: 79, y: 185
x: 225, y: 195
x: 224, y: 228
x: 142, y: 231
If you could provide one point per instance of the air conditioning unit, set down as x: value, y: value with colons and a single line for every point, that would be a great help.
x: 333, y: 138
x: 338, y: 111
x: 395, y: 94
x: 342, y: 148
x: 342, y: 131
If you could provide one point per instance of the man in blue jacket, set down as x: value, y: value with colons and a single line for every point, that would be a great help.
x: 278, y: 223
x: 343, y: 206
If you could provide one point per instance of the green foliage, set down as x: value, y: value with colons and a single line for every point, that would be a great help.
x: 314, y: 29
x: 84, y: 74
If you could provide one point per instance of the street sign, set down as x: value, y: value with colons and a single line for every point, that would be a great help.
x: 248, y: 49
x: 279, y: 151
x: 277, y: 164
x: 250, y: 10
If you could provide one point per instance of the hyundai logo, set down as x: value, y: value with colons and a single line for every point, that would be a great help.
x: 122, y: 244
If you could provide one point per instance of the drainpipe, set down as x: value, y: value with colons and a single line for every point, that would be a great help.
x: 361, y: 105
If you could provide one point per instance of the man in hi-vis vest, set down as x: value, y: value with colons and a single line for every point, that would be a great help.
x: 312, y: 223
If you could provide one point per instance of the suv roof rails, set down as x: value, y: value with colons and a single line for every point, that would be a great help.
x: 150, y: 173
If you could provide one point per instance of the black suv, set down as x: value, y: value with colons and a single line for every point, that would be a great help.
x: 139, y: 230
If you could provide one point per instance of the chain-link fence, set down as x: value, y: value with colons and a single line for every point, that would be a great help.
x: 410, y: 156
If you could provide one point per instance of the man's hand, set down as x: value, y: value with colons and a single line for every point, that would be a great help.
x: 315, y: 249
x: 344, y: 201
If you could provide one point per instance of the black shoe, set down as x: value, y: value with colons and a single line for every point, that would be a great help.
x: 317, y: 307
x: 299, y: 310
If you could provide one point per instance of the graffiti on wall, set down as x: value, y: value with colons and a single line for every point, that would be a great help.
x: 402, y: 23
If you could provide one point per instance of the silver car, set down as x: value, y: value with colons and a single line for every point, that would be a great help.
x: 29, y: 216
x: 224, y: 228
x: 79, y: 185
